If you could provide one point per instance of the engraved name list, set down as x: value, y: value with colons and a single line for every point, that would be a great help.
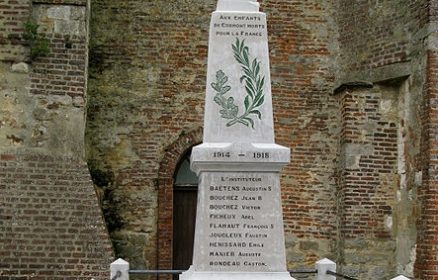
x: 240, y: 222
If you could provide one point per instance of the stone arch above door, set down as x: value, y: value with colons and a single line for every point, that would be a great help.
x: 168, y: 165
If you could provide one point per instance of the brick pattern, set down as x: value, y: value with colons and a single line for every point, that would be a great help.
x: 367, y: 198
x: 61, y: 2
x: 51, y: 226
x: 305, y: 116
x: 165, y: 196
x: 426, y: 266
x: 374, y: 34
x: 161, y: 49
x: 148, y: 80
x: 146, y: 89
x: 62, y: 72
x: 13, y: 15
x: 367, y: 183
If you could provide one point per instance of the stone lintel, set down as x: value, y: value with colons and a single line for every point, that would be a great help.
x: 239, y: 156
x: 352, y: 85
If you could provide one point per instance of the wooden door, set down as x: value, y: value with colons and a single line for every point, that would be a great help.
x: 185, y: 192
x: 184, y: 218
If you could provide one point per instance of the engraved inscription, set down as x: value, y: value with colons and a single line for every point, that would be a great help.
x: 239, y: 229
x: 239, y: 25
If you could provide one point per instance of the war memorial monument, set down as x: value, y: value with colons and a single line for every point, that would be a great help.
x: 239, y: 227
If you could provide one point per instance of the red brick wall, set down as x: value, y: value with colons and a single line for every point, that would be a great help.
x: 372, y: 32
x: 305, y: 115
x: 426, y: 265
x: 382, y: 41
x: 13, y: 15
x: 63, y: 71
x: 146, y: 88
x: 368, y: 180
x: 165, y: 195
x: 147, y: 79
x: 427, y: 247
x: 366, y: 198
x: 51, y: 226
x: 147, y: 82
x: 375, y: 33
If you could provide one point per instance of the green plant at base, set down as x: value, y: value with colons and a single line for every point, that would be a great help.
x: 39, y: 46
x: 253, y: 85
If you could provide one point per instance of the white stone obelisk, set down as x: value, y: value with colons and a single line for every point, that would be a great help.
x: 239, y: 223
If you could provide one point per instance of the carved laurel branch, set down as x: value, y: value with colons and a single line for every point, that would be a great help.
x: 254, y: 83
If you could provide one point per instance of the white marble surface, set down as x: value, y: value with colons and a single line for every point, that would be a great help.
x: 261, y: 157
x: 239, y: 223
x: 238, y: 5
x: 197, y: 275
x: 249, y: 29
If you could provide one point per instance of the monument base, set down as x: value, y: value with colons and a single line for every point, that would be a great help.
x: 219, y: 275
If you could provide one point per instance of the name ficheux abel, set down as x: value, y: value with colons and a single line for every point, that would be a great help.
x: 247, y: 26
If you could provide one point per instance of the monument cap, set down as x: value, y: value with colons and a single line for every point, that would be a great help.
x: 238, y: 5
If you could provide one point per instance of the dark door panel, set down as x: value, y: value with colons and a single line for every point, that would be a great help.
x: 184, y: 216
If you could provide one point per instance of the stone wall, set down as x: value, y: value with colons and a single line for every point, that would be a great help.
x: 146, y: 95
x: 353, y: 93
x: 146, y: 88
x: 426, y: 265
x: 368, y: 180
x: 13, y: 14
x: 351, y: 187
x: 44, y: 98
x: 381, y: 46
x: 51, y: 226
x: 303, y: 47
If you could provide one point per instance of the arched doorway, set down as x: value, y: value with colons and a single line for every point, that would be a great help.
x: 175, y: 154
x: 185, y: 190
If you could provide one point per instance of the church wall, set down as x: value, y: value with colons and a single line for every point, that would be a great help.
x: 353, y: 93
x: 376, y: 34
x: 12, y: 16
x: 368, y: 180
x: 426, y: 266
x: 383, y: 47
x: 147, y: 83
x: 427, y: 249
x: 51, y: 226
x: 44, y: 97
x: 146, y: 90
x: 302, y: 39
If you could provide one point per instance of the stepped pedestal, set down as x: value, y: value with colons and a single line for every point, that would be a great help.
x: 239, y: 222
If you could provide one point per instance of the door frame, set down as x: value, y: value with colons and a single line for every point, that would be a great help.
x: 165, y: 182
